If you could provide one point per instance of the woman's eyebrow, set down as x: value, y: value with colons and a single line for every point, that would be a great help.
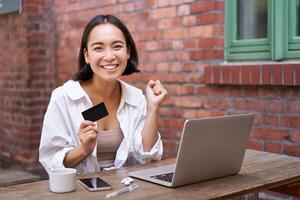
x: 101, y: 43
x: 97, y: 43
x: 118, y: 41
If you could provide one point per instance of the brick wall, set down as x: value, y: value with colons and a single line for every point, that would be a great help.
x: 181, y: 43
x: 26, y: 78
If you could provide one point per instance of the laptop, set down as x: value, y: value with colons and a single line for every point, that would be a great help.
x: 209, y: 148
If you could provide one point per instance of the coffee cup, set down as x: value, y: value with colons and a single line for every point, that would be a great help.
x: 62, y: 180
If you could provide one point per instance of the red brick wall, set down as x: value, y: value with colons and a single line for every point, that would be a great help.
x: 14, y: 76
x: 26, y: 77
x: 181, y: 43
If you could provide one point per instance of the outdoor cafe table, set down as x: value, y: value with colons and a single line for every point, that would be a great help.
x: 260, y: 171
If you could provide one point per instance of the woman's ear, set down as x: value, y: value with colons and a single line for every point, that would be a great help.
x: 128, y: 53
x: 86, y: 56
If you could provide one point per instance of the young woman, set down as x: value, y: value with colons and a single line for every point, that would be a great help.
x: 129, y: 134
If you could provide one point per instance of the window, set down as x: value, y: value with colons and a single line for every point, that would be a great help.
x: 262, y: 29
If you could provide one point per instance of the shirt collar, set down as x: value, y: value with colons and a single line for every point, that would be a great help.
x: 130, y: 94
x: 74, y: 90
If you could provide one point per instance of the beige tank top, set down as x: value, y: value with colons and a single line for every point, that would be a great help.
x: 108, y: 143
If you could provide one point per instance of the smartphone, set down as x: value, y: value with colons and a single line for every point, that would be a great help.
x: 94, y: 184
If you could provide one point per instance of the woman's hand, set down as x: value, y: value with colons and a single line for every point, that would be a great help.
x: 155, y: 94
x: 87, y: 134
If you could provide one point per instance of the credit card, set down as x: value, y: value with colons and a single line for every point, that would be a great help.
x: 95, y: 113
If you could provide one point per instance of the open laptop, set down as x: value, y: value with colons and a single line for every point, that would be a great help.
x: 209, y: 148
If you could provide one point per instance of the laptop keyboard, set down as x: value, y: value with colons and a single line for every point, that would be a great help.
x: 164, y: 177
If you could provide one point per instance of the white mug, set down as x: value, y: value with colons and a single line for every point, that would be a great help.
x: 62, y: 180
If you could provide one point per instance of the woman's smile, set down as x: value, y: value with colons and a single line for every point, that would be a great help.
x: 110, y: 67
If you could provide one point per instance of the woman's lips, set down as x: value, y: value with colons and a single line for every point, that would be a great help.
x: 110, y: 67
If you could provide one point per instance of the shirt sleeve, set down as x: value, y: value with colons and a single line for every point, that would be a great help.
x: 55, y: 139
x: 157, y: 150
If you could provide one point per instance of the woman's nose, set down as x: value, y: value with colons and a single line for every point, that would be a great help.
x: 109, y: 54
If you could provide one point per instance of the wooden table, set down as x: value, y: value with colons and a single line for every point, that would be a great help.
x: 15, y: 176
x: 260, y: 170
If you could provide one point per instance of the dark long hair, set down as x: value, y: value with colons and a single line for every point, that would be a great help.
x: 84, y: 71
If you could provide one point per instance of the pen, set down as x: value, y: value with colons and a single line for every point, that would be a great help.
x: 121, y: 191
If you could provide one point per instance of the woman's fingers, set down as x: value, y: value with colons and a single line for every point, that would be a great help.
x: 159, y: 88
x: 87, y: 133
x: 86, y: 123
x: 86, y: 126
x: 89, y: 128
x: 151, y: 84
x: 155, y: 88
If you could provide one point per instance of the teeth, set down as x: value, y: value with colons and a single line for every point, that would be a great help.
x: 109, y: 67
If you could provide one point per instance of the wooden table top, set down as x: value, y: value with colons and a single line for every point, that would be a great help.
x: 260, y: 170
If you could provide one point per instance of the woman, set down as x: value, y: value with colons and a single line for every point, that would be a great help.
x: 129, y: 134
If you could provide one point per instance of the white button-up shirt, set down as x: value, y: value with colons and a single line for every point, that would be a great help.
x: 63, y: 118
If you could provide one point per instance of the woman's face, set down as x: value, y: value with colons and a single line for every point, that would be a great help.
x: 107, y: 52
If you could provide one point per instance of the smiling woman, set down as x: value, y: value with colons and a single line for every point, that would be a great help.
x: 107, y: 52
x: 85, y: 72
x: 129, y: 134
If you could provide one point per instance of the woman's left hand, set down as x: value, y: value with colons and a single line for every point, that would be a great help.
x: 155, y: 94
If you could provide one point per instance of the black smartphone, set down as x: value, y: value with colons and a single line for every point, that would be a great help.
x: 94, y: 184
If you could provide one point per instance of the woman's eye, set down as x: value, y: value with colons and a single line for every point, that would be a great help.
x: 117, y: 47
x: 97, y: 49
